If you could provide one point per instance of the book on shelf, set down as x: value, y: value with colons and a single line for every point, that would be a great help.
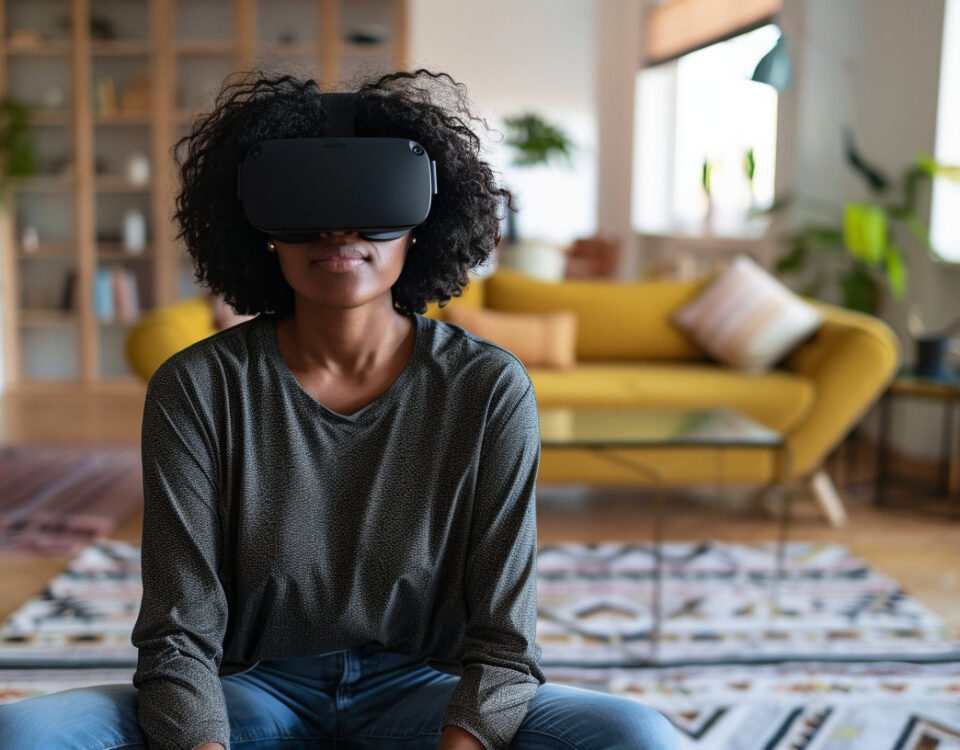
x: 115, y: 297
x: 69, y: 296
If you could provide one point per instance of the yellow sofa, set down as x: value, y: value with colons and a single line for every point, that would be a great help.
x: 629, y: 354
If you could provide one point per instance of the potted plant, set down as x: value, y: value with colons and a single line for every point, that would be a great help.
x: 17, y: 154
x: 870, y: 258
x: 535, y: 143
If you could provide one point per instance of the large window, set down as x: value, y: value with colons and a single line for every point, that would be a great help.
x: 703, y: 108
x: 945, y: 216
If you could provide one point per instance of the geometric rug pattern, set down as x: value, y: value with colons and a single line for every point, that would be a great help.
x: 836, y: 657
x: 722, y: 603
x: 795, y: 705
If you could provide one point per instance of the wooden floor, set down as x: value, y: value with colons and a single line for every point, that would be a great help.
x: 919, y: 546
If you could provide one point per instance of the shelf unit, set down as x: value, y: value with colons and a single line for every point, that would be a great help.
x: 165, y: 61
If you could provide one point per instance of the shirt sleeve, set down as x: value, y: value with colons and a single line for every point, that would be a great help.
x: 183, y: 613
x: 500, y: 661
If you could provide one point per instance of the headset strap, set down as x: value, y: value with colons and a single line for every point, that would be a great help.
x: 341, y: 110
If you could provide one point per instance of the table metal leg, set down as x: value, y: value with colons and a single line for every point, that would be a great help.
x: 946, y: 449
x: 783, y: 474
x: 656, y: 606
x: 956, y: 492
x: 882, y: 450
x: 655, y: 635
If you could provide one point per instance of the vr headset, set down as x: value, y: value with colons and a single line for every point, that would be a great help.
x: 294, y: 188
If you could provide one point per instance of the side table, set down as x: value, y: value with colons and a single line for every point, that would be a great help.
x: 945, y: 389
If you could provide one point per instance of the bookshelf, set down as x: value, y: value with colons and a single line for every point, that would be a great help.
x: 86, y: 244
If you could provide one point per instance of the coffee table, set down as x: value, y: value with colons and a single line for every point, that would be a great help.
x: 605, y: 430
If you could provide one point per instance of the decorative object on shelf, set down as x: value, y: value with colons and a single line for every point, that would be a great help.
x: 53, y: 97
x: 540, y: 259
x: 138, y: 170
x: 106, y: 97
x: 61, y: 166
x: 101, y: 27
x: 865, y: 233
x: 933, y: 347
x: 69, y: 295
x: 134, y: 231
x: 30, y: 239
x: 593, y: 257
x: 17, y: 151
x: 535, y: 142
x: 25, y: 37
x: 135, y: 98
x: 115, y: 295
x: 368, y: 34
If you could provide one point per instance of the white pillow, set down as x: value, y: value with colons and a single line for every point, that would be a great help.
x: 746, y: 318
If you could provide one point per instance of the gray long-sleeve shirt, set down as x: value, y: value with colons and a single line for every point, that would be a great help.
x: 275, y: 527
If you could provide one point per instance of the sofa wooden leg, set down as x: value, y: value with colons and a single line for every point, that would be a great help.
x: 826, y: 494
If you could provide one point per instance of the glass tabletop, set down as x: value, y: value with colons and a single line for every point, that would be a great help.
x: 652, y: 427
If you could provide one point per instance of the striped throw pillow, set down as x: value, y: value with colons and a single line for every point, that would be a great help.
x: 746, y: 318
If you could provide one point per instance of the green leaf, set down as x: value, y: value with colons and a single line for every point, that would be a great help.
x: 791, y: 261
x: 828, y: 236
x: 17, y: 152
x: 933, y: 168
x: 706, y: 175
x: 917, y: 229
x: 861, y: 292
x: 865, y: 232
x: 536, y: 140
x: 896, y: 270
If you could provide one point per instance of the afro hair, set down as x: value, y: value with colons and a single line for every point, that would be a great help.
x: 229, y: 254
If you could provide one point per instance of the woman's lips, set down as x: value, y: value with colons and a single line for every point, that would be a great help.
x: 337, y: 263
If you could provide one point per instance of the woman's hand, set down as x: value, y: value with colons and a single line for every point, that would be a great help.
x: 455, y: 738
x: 210, y: 746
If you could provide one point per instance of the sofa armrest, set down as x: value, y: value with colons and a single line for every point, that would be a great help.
x: 851, y: 360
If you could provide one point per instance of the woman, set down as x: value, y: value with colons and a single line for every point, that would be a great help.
x: 339, y: 541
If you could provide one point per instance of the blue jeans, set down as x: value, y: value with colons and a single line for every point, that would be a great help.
x: 359, y: 698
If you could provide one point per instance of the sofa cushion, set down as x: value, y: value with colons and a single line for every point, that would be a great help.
x: 472, y: 296
x: 616, y: 320
x: 778, y: 399
x: 538, y: 340
x: 746, y: 318
x: 162, y: 332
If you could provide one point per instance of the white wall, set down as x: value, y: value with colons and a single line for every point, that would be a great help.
x: 518, y: 55
x: 874, y: 65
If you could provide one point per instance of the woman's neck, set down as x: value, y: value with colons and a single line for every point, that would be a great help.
x: 343, y: 341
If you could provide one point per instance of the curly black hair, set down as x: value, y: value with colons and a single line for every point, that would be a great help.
x: 229, y: 254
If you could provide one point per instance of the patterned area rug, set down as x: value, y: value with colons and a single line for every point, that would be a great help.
x: 846, y: 661
x: 720, y: 605
x: 55, y: 500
